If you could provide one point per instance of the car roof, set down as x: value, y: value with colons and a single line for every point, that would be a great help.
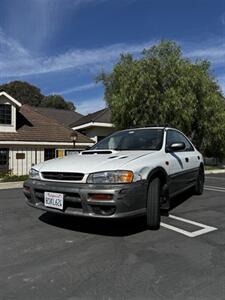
x: 150, y: 127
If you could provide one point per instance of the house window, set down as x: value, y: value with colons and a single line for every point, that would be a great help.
x: 20, y: 155
x: 60, y: 153
x: 5, y: 114
x: 4, y: 159
x: 49, y: 153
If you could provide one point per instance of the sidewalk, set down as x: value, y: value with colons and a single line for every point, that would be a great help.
x: 216, y: 171
x: 11, y: 185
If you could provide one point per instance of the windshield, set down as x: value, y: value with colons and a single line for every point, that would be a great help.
x: 138, y: 139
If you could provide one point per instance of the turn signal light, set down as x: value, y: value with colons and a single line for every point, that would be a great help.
x: 101, y: 197
x: 126, y: 176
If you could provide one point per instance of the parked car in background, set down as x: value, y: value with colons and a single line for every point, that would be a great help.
x: 130, y: 173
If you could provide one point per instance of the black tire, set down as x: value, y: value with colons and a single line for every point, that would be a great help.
x: 199, y: 186
x: 153, y: 204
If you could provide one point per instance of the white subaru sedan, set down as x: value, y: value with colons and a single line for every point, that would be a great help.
x: 130, y: 173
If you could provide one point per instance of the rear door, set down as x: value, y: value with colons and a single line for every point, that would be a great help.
x: 182, y: 165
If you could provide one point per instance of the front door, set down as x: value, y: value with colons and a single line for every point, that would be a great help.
x: 4, y: 160
x: 181, y: 163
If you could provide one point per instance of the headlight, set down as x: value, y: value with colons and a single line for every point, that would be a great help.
x: 34, y: 174
x: 111, y: 177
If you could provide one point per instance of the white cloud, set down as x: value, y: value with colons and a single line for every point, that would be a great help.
x: 78, y: 3
x: 36, y: 22
x: 221, y: 80
x: 88, y: 59
x: 15, y: 60
x: 79, y: 88
x: 222, y: 18
x: 212, y: 50
x: 87, y: 106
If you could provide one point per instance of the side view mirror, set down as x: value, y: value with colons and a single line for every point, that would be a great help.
x: 176, y: 147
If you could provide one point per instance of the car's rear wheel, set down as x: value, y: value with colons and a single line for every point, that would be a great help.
x: 153, y: 204
x: 199, y: 185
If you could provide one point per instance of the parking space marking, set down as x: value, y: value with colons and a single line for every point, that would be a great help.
x: 212, y: 177
x: 204, y: 228
x: 214, y: 188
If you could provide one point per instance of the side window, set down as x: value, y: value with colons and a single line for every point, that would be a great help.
x: 174, y: 136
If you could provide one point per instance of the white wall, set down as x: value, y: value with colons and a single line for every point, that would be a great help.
x: 12, y: 126
x: 33, y: 155
x: 22, y: 166
x: 94, y: 132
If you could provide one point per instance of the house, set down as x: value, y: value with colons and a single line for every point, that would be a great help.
x: 62, y: 116
x: 28, y: 137
x: 96, y: 125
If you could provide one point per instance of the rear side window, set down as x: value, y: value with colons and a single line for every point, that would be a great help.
x: 174, y: 136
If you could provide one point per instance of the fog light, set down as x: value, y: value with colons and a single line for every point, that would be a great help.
x: 100, y: 197
x: 103, y: 210
x: 27, y: 192
x: 27, y: 189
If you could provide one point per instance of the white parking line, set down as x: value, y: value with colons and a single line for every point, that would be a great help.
x: 215, y: 189
x: 205, y: 228
x: 212, y: 177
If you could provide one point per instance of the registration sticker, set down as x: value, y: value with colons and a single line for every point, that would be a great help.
x: 54, y: 200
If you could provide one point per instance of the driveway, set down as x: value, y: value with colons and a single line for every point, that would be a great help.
x: 44, y: 256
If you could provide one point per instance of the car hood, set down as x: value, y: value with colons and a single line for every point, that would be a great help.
x: 87, y: 162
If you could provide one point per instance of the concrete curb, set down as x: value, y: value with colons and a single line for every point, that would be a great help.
x: 216, y: 171
x: 11, y: 185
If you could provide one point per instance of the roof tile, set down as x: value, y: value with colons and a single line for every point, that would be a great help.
x: 33, y: 126
x: 101, y: 116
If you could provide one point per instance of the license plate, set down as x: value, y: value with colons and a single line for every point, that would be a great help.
x: 54, y: 200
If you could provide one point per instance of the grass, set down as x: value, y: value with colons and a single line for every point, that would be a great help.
x: 13, y: 178
x: 210, y: 168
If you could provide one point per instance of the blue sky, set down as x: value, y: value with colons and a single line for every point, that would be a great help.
x: 61, y: 45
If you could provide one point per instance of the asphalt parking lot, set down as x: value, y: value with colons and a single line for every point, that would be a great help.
x: 44, y: 256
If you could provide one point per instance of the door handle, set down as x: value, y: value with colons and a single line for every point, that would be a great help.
x: 186, y: 159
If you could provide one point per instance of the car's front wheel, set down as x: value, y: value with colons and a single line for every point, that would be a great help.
x: 153, y: 204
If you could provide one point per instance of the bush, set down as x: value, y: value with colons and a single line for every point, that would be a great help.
x: 11, y: 178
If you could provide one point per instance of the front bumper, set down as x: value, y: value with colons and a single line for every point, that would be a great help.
x: 128, y: 200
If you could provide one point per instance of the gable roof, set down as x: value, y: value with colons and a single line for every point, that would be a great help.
x: 35, y: 127
x: 63, y: 116
x: 100, y: 116
x: 11, y: 99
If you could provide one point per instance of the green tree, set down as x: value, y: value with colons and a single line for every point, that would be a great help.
x: 57, y: 101
x: 27, y: 93
x: 163, y: 87
x: 24, y: 92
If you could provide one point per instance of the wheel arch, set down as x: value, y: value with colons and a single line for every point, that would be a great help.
x: 164, y: 181
x: 158, y: 172
x: 201, y: 166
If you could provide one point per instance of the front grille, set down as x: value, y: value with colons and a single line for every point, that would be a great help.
x: 63, y: 176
